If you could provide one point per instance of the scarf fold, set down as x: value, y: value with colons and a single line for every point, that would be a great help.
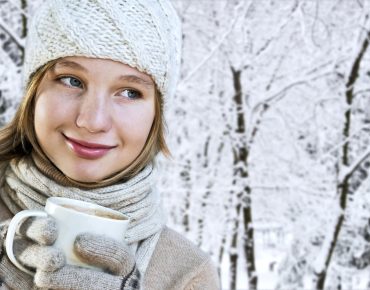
x: 25, y: 187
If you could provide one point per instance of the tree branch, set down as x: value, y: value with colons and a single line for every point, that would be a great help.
x: 217, y: 46
x: 19, y: 42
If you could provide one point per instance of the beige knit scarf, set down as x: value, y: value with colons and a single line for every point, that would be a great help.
x: 25, y: 187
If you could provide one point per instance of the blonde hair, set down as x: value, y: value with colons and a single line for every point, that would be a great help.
x: 18, y: 138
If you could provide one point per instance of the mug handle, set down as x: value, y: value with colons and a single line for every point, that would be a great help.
x: 16, y: 220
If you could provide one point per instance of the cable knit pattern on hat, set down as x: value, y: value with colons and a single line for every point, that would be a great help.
x: 145, y: 34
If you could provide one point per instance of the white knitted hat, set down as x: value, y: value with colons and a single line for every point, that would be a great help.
x: 145, y: 34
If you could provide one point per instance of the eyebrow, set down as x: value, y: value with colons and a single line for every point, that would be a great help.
x: 129, y: 78
x: 136, y: 79
x: 71, y: 64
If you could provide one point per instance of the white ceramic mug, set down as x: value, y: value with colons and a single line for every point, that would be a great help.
x: 73, y: 217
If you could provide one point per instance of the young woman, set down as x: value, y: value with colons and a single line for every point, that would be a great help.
x: 96, y: 75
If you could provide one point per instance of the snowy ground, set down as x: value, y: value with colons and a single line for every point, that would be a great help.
x: 270, y: 251
x: 267, y: 261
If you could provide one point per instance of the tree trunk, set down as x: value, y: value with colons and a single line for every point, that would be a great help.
x: 343, y: 185
x: 24, y: 26
x: 185, y: 176
x: 243, y: 197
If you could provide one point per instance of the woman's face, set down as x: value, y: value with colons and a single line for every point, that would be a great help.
x: 93, y: 116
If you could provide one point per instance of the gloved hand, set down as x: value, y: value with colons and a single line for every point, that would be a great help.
x: 32, y: 247
x: 115, y: 258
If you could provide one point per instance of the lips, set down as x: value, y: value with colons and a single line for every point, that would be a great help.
x: 87, y: 150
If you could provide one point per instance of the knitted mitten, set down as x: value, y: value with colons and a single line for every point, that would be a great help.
x: 115, y: 258
x: 35, y: 251
x: 31, y: 247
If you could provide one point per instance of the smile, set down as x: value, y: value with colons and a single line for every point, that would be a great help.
x: 87, y: 150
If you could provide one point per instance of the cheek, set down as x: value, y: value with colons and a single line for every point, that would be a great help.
x: 42, y: 111
x: 51, y: 111
x: 135, y: 123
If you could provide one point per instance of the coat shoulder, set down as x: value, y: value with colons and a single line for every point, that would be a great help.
x: 173, y: 243
x: 177, y: 263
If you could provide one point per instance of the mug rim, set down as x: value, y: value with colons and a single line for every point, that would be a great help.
x: 60, y: 201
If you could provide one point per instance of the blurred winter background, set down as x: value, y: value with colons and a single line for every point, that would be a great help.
x: 269, y: 133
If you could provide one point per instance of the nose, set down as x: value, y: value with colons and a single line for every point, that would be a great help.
x: 93, y: 114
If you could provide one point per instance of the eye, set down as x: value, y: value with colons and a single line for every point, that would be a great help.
x: 71, y: 82
x: 130, y: 94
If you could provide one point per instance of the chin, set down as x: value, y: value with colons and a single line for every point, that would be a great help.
x: 85, y: 178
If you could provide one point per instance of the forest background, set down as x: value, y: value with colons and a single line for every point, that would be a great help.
x: 269, y: 132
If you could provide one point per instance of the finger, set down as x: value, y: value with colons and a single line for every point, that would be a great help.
x: 70, y: 277
x: 32, y: 255
x: 39, y: 229
x: 104, y: 253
